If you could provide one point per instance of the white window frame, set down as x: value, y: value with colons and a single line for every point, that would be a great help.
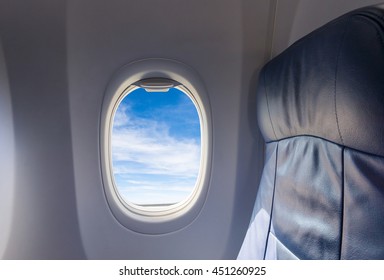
x: 158, y: 219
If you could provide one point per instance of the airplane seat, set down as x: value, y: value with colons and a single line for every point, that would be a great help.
x: 321, y: 113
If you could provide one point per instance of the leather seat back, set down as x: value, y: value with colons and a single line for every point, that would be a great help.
x: 321, y: 112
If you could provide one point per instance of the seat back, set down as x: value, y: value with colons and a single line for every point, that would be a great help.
x: 321, y: 112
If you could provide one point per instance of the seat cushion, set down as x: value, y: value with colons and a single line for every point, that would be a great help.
x: 329, y: 84
x: 321, y: 112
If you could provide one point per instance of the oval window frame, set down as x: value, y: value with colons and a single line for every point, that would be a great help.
x: 155, y: 220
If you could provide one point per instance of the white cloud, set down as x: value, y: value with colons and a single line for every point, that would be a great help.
x: 152, y: 192
x: 121, y: 118
x: 143, y: 149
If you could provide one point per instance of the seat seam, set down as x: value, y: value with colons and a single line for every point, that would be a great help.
x: 335, y: 82
x: 342, y: 201
x: 283, y: 245
x: 327, y: 140
x: 379, y: 30
x: 266, y: 98
x: 272, y: 203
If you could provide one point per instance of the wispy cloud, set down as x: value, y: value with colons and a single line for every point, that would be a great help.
x: 150, y: 165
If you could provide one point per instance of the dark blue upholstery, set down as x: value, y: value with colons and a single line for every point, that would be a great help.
x: 321, y: 112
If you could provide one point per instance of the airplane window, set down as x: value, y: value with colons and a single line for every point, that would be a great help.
x: 156, y: 146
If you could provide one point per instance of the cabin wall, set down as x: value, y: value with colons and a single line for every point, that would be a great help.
x: 216, y: 39
x: 59, y: 57
x: 44, y: 216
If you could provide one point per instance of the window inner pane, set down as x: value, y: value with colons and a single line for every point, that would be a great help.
x: 156, y: 147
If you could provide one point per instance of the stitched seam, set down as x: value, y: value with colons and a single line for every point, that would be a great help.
x: 342, y: 202
x: 282, y: 245
x: 272, y: 203
x: 335, y: 83
x: 266, y: 98
x: 329, y: 141
x: 374, y: 21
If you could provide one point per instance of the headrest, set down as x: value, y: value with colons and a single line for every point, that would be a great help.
x: 329, y: 84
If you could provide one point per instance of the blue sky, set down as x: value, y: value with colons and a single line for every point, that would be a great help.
x: 156, y: 147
